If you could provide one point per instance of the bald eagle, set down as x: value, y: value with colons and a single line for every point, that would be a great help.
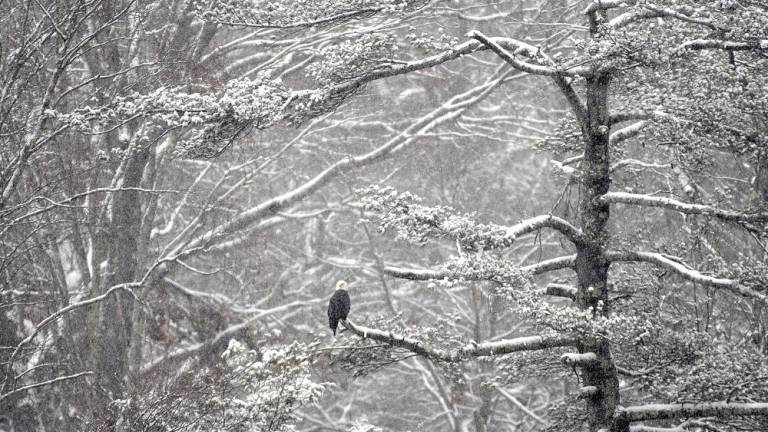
x: 338, y: 306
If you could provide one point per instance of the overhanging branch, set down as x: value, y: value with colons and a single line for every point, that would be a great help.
x: 523, y: 66
x: 687, y: 273
x: 528, y: 343
x: 44, y: 384
x: 545, y: 266
x: 671, y: 411
x: 682, y: 207
x: 704, y: 44
x: 546, y: 221
x: 254, y: 215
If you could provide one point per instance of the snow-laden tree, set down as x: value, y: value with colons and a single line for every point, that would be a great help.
x: 130, y: 258
x: 677, y: 91
x: 128, y: 102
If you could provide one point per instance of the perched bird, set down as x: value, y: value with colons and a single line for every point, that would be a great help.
x: 338, y: 306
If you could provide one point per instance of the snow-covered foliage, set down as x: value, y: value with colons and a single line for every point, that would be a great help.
x: 418, y: 224
x: 215, y: 120
x: 249, y: 390
x: 353, y: 58
x: 168, y: 261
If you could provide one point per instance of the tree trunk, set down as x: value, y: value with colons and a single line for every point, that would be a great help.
x: 116, y: 311
x: 591, y: 265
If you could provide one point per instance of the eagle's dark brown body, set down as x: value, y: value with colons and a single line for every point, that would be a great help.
x: 338, y: 308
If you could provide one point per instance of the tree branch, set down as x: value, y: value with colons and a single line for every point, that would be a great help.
x: 518, y: 404
x: 545, y: 266
x: 561, y: 290
x: 44, y: 383
x: 426, y: 63
x: 530, y: 68
x: 682, y: 207
x: 704, y: 44
x: 671, y: 411
x: 54, y: 316
x: 627, y: 132
x: 687, y: 273
x: 649, y: 11
x: 608, y: 4
x: 546, y: 221
x: 529, y: 343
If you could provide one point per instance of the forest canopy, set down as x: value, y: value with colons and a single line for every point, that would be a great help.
x: 551, y: 215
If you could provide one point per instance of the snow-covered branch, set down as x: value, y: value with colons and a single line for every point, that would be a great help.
x: 417, y: 223
x: 545, y: 221
x: 561, y: 290
x: 577, y: 359
x: 545, y: 266
x: 627, y: 162
x: 683, y: 207
x: 649, y: 10
x: 608, y: 4
x: 446, y: 112
x: 520, y: 65
x: 456, y: 52
x: 704, y: 44
x: 43, y: 384
x: 671, y: 411
x: 627, y: 132
x: 528, y: 343
x: 687, y: 273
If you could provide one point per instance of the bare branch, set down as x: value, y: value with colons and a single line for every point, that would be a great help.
x: 43, y: 384
x: 519, y: 404
x: 63, y: 311
x: 529, y: 343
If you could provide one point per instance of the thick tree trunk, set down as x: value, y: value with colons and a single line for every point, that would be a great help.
x: 591, y: 265
x: 116, y: 311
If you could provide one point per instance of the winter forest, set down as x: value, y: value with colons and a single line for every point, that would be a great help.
x: 550, y: 215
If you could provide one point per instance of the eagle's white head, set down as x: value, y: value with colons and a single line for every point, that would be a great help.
x: 341, y: 285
